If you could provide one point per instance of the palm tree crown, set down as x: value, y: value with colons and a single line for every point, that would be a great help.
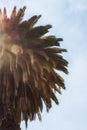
x: 28, y: 63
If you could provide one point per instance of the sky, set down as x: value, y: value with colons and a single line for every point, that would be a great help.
x: 69, y: 20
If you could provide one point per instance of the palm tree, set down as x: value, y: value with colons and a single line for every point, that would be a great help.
x: 29, y: 66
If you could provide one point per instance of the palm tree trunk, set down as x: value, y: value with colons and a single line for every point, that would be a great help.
x: 9, y: 124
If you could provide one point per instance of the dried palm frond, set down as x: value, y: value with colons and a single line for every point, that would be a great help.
x: 28, y: 60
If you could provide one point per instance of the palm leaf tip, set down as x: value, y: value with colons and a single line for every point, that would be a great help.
x: 59, y: 39
x: 28, y: 60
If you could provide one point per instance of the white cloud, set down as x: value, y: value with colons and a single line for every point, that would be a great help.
x: 78, y: 78
x: 78, y: 5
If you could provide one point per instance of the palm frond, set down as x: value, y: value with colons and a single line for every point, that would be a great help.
x: 28, y: 60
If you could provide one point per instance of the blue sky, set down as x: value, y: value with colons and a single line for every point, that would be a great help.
x: 69, y: 20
